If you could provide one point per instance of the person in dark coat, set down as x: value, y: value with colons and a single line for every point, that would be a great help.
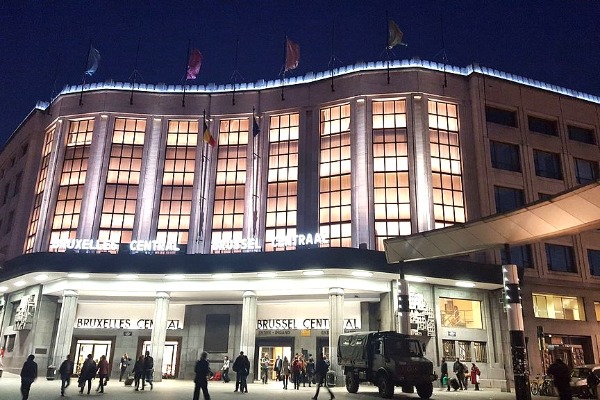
x: 562, y: 379
x: 444, y: 373
x: 202, y: 370
x: 148, y: 370
x: 241, y: 367
x: 88, y: 372
x: 277, y: 367
x: 138, y: 372
x: 29, y: 374
x: 321, y: 368
x: 65, y: 371
x: 459, y: 369
x: 592, y: 381
x: 102, y: 370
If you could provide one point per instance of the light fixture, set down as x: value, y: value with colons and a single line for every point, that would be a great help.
x: 465, y: 284
x: 267, y: 274
x: 225, y: 275
x: 78, y: 275
x: 20, y: 283
x: 127, y: 276
x: 417, y: 279
x: 175, y: 277
x: 3, y: 289
x: 41, y: 277
x: 362, y: 274
x: 313, y: 272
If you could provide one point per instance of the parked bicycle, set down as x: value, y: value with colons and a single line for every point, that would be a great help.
x: 542, y: 386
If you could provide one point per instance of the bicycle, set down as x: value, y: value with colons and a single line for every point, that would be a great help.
x: 542, y: 386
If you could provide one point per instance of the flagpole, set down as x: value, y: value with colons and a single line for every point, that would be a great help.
x: 185, y: 73
x: 235, y: 61
x: 284, y: 66
x: 134, y: 74
x: 203, y: 181
x: 255, y: 175
x: 332, y: 52
x: 84, y: 69
x: 387, y: 50
x: 444, y: 58
x: 54, y: 83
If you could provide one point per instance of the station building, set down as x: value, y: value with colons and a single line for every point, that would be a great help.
x: 125, y: 228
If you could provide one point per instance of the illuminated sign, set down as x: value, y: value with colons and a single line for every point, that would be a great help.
x: 306, y: 323
x: 122, y: 323
x: 236, y: 244
x: 299, y: 240
x: 278, y: 241
x: 136, y: 246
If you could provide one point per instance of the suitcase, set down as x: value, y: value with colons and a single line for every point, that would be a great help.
x: 454, y: 383
x: 129, y: 380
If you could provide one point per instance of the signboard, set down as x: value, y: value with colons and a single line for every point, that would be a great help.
x: 125, y: 316
x: 277, y: 242
x: 136, y: 246
x: 312, y: 315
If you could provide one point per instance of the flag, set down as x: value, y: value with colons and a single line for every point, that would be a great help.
x: 255, y: 127
x: 194, y: 64
x: 92, y: 62
x: 292, y: 54
x: 208, y: 137
x: 394, y: 35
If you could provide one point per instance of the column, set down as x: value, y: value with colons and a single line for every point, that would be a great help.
x: 66, y: 324
x: 422, y: 165
x: 336, y: 328
x: 248, y: 340
x: 403, y: 306
x: 159, y: 332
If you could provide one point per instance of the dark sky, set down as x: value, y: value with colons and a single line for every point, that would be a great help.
x: 44, y: 44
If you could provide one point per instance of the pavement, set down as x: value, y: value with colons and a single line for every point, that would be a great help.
x: 43, y: 389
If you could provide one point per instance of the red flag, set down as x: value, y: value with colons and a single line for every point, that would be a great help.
x: 194, y: 64
x: 208, y: 137
x: 292, y: 54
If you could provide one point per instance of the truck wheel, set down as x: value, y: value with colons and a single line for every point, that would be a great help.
x: 425, y: 390
x: 351, y: 382
x: 386, y: 388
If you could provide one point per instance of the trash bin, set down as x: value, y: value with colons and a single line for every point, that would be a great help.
x: 330, y: 378
x: 50, y: 372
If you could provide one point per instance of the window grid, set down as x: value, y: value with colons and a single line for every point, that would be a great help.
x: 594, y: 261
x: 229, y: 204
x: 505, y: 156
x: 282, y: 179
x: 72, y: 180
x: 464, y: 350
x: 547, y: 164
x: 39, y: 190
x: 449, y: 349
x: 175, y: 208
x: 558, y: 307
x: 390, y: 171
x: 508, y: 199
x: 480, y: 350
x: 335, y: 176
x: 446, y: 170
x: 560, y: 258
x: 122, y: 183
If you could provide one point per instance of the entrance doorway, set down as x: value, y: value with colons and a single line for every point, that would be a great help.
x: 96, y: 348
x: 273, y: 347
x: 323, y: 347
x: 170, y: 356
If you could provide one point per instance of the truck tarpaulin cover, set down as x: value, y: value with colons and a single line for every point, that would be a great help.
x: 353, y: 346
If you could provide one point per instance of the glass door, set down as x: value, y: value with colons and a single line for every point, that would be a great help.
x: 96, y: 348
x: 169, y: 363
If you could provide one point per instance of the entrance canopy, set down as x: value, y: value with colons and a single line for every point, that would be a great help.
x: 567, y: 213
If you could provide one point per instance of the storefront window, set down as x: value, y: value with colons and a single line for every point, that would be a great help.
x: 558, y: 307
x: 461, y: 313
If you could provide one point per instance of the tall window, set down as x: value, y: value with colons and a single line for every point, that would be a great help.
x: 228, y: 211
x: 390, y: 170
x: 480, y: 349
x: 177, y: 182
x: 335, y: 179
x: 597, y: 310
x: 594, y: 261
x: 72, y: 180
x: 585, y: 171
x: 560, y: 258
x: 547, y: 165
x: 122, y: 182
x: 508, y: 199
x: 449, y: 349
x: 558, y: 307
x: 446, y: 170
x: 282, y: 179
x: 39, y: 190
x: 505, y: 156
x: 464, y: 350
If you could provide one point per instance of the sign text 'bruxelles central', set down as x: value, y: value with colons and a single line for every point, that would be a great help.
x: 122, y: 323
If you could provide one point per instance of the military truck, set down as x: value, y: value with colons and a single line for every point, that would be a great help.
x: 386, y: 359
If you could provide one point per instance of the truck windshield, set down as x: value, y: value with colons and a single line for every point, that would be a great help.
x: 403, y: 348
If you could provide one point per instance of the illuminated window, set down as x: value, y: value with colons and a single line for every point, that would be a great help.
x: 39, y: 190
x: 282, y: 179
x: 480, y: 350
x: 390, y: 170
x: 177, y: 182
x: 122, y: 182
x: 228, y: 211
x: 597, y: 310
x: 335, y: 179
x: 461, y: 313
x: 449, y: 349
x: 464, y: 350
x: 558, y: 307
x: 446, y: 170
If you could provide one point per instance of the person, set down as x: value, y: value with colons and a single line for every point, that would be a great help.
x: 285, y: 371
x: 202, y: 370
x: 296, y: 370
x: 458, y: 370
x: 124, y: 363
x: 321, y: 368
x: 466, y: 375
x: 562, y: 377
x: 225, y: 369
x: 65, y: 371
x: 592, y: 381
x: 241, y: 367
x: 277, y: 367
x: 310, y: 370
x: 138, y: 371
x: 264, y: 368
x: 444, y: 374
x: 88, y: 372
x: 475, y: 372
x: 29, y: 374
x: 148, y: 370
x: 102, y: 371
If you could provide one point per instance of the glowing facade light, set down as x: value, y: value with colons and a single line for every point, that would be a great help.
x: 362, y: 274
x: 313, y: 272
x: 175, y: 277
x: 3, y: 289
x: 20, y: 283
x: 41, y: 277
x: 222, y: 276
x: 416, y: 279
x: 79, y: 275
x: 465, y: 284
x: 127, y: 276
x: 267, y: 274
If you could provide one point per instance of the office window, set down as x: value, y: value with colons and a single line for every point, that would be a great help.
x: 508, y: 199
x: 72, y: 180
x: 449, y: 349
x: 594, y: 261
x: 480, y: 350
x: 558, y: 307
x: 547, y: 165
x: 505, y: 156
x: 461, y: 313
x: 585, y: 171
x: 282, y: 179
x: 228, y: 209
x: 18, y: 181
x: 582, y: 135
x: 464, y: 350
x: 519, y: 255
x: 543, y: 126
x: 560, y: 258
x: 335, y: 193
x: 390, y: 171
x: 122, y: 182
x: 39, y: 190
x: 175, y: 208
x: 500, y: 116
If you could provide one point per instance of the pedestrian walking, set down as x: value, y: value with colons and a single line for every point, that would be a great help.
x: 138, y: 372
x: 65, y: 371
x: 475, y: 373
x: 102, y: 372
x: 285, y: 371
x: 445, y: 379
x: 459, y: 370
x: 88, y: 372
x: 562, y: 378
x: 296, y: 370
x: 321, y: 369
x: 148, y: 370
x: 29, y: 374
x: 277, y: 367
x: 264, y: 368
x: 225, y: 369
x: 241, y: 367
x: 123, y: 364
x: 202, y: 371
x: 310, y: 370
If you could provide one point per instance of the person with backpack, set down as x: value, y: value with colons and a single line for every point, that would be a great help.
x: 88, y: 372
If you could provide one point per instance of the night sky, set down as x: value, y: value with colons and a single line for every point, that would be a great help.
x: 44, y: 44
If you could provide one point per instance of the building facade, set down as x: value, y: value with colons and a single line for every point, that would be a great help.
x: 125, y: 228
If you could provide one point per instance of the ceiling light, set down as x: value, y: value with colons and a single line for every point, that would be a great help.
x: 20, y: 283
x: 418, y: 279
x: 222, y: 276
x: 3, y: 289
x: 465, y: 284
x: 363, y: 274
x: 127, y: 276
x: 313, y: 272
x: 41, y: 277
x: 267, y: 274
x: 175, y: 277
x: 78, y: 275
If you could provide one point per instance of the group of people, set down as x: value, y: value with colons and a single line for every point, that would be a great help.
x: 462, y: 373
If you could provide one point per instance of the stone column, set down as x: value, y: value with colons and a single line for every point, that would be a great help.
x: 248, y: 340
x: 66, y: 324
x: 159, y: 332
x: 336, y: 328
